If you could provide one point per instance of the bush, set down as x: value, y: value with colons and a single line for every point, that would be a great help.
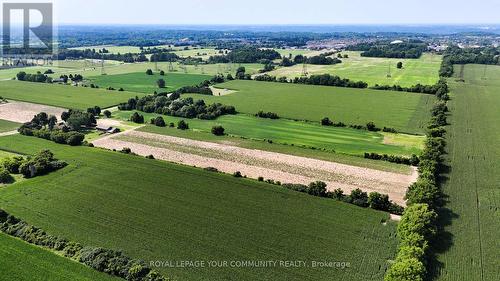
x: 107, y: 113
x: 40, y: 164
x: 74, y: 138
x: 5, y: 176
x: 159, y: 122
x: 149, y: 72
x: 137, y: 118
x: 218, y: 130
x: 12, y: 164
x: 326, y: 122
x: 182, y: 125
x: 237, y: 174
x: 270, y: 115
x: 370, y: 126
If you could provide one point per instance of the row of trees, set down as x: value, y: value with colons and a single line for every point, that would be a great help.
x: 246, y: 55
x: 43, y: 78
x: 93, y: 54
x: 173, y: 105
x: 418, y: 224
x: 112, y: 262
x: 440, y: 89
x: 321, y: 80
x: 409, y: 50
x: 39, y: 164
x: 455, y: 55
x: 357, y: 197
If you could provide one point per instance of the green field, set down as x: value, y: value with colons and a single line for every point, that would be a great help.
x: 143, y: 83
x: 160, y: 211
x: 469, y: 250
x: 305, y: 134
x: 6, y: 126
x: 424, y: 70
x: 21, y: 261
x: 89, y: 69
x: 62, y: 95
x: 203, y: 53
x: 406, y: 112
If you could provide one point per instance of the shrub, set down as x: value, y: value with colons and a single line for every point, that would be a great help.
x: 74, y: 138
x: 269, y: 115
x: 149, y: 72
x: 218, y: 130
x: 317, y: 188
x: 107, y: 113
x: 137, y: 118
x: 182, y: 125
x: 370, y: 126
x: 158, y: 121
x: 326, y: 122
x: 150, y: 156
x: 5, y: 176
x: 12, y: 164
x: 237, y: 174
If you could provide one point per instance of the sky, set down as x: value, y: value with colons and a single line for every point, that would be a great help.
x: 277, y: 11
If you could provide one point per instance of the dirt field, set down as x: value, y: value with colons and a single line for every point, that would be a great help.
x: 256, y: 163
x: 23, y: 112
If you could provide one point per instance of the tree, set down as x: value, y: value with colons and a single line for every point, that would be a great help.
x: 149, y: 72
x: 399, y: 65
x: 162, y: 73
x: 406, y: 270
x: 107, y: 113
x: 5, y: 176
x: 379, y: 201
x: 317, y: 188
x: 182, y: 125
x: 326, y: 122
x: 52, y: 122
x: 137, y: 118
x: 158, y: 121
x: 418, y: 219
x: 218, y: 130
x: 161, y: 83
x: 240, y: 73
x: 423, y: 191
x: 370, y: 126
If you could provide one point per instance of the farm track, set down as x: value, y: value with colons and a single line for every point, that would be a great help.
x: 256, y: 163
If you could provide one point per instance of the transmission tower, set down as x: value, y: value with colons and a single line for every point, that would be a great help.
x: 103, y: 71
x: 156, y: 65
x: 304, y: 69
x: 170, y: 67
x: 389, y: 72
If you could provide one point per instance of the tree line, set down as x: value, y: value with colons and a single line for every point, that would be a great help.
x: 246, y: 55
x: 112, y: 262
x: 418, y: 224
x: 408, y: 50
x: 456, y: 55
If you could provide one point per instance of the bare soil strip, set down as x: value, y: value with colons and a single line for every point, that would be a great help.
x: 23, y: 112
x: 256, y: 163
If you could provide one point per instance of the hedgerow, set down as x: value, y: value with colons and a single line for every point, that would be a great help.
x: 108, y: 261
x: 418, y: 223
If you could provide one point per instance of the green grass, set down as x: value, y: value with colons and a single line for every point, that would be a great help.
x: 143, y: 83
x: 406, y: 112
x: 6, y: 126
x: 160, y: 211
x: 22, y: 261
x: 304, y: 134
x: 469, y: 250
x: 62, y: 95
x: 424, y: 70
x: 89, y: 70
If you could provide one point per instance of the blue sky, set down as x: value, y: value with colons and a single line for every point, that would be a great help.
x: 278, y: 11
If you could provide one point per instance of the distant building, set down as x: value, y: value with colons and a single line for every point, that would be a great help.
x: 396, y: 42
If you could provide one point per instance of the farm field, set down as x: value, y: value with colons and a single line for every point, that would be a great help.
x: 374, y: 70
x: 285, y: 149
x: 114, y: 67
x: 143, y: 83
x: 159, y: 211
x: 203, y: 53
x: 117, y: 49
x: 304, y: 134
x: 7, y: 126
x: 22, y: 261
x: 406, y: 112
x: 257, y: 163
x: 470, y: 217
x: 64, y: 96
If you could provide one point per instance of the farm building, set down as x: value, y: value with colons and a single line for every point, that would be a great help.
x: 108, y: 130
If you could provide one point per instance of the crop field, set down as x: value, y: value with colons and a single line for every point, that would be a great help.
x: 203, y: 53
x: 471, y: 217
x: 406, y: 112
x: 24, y: 262
x: 424, y: 70
x: 64, y: 96
x: 143, y: 83
x: 279, y: 148
x: 6, y: 126
x: 305, y: 134
x: 159, y: 211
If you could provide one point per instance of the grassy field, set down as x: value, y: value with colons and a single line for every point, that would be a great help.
x: 22, y: 261
x: 304, y: 134
x: 406, y: 112
x: 6, y: 126
x: 62, y: 95
x: 471, y: 216
x: 112, y: 68
x: 374, y: 70
x: 160, y: 211
x: 203, y: 53
x: 143, y: 83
